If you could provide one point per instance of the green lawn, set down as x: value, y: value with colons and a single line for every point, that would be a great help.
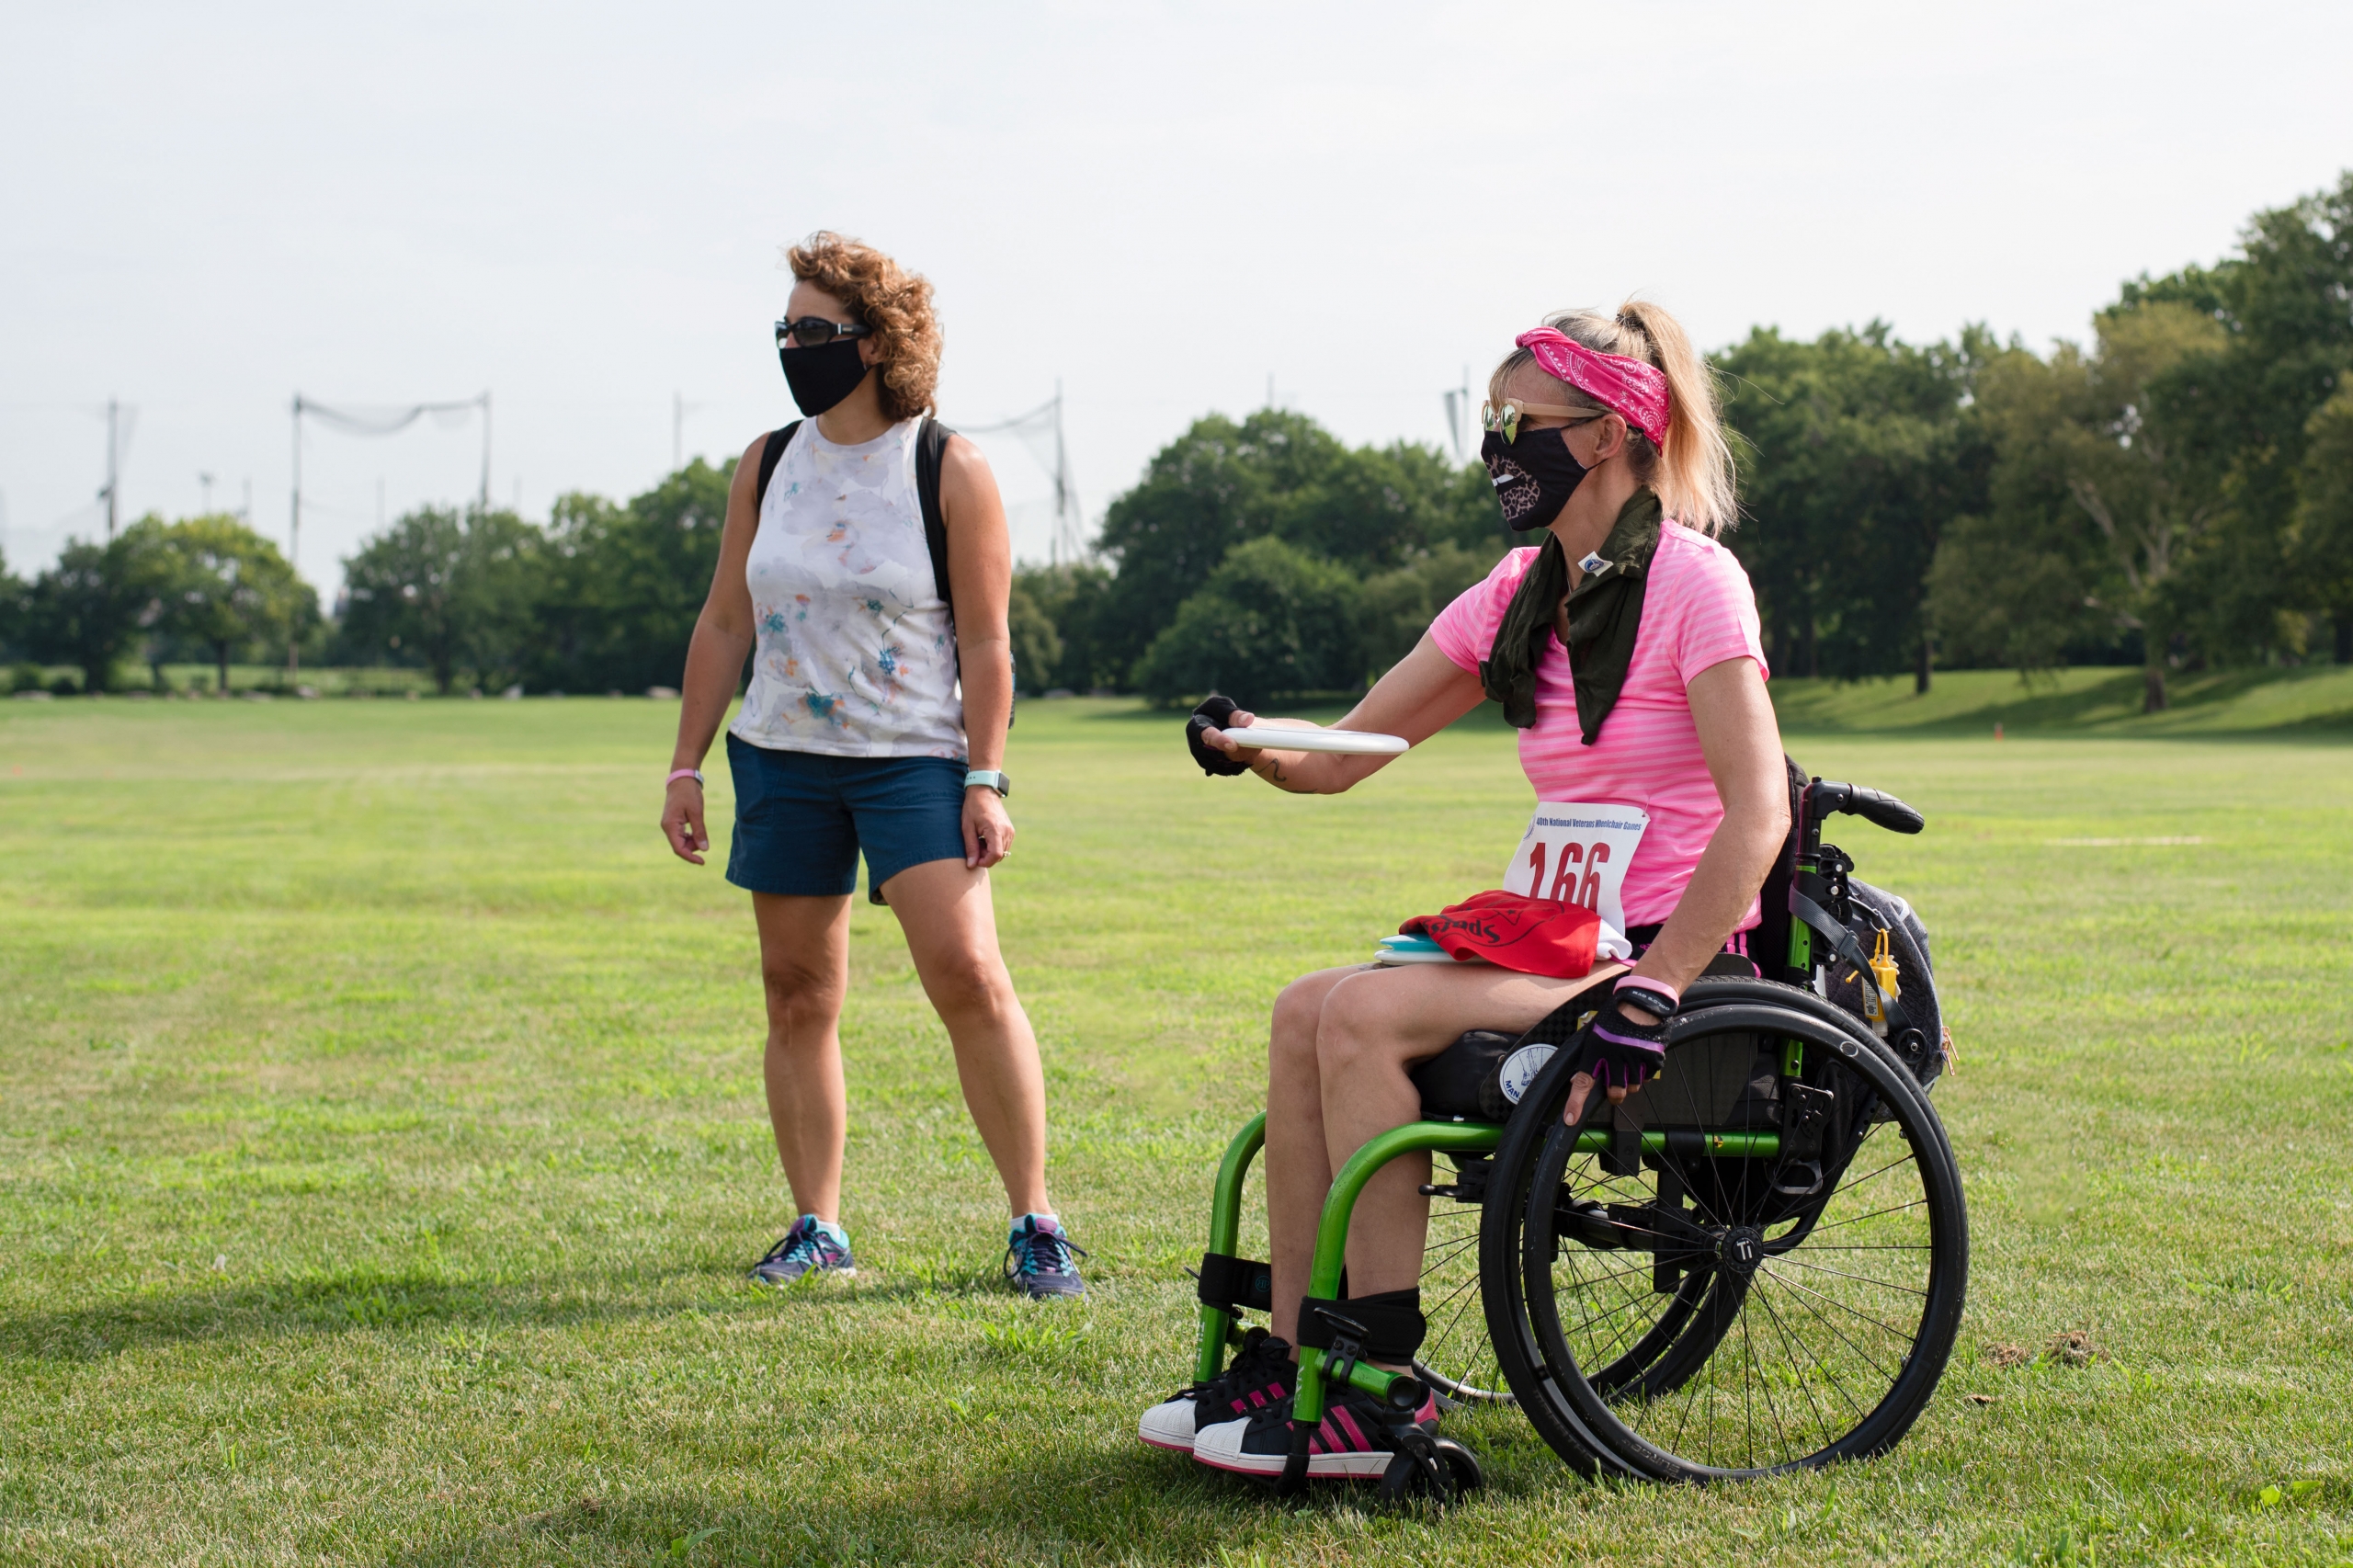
x: 2314, y: 698
x: 381, y: 1146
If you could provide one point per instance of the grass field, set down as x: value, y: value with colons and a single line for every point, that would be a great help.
x: 2314, y: 698
x: 381, y: 1146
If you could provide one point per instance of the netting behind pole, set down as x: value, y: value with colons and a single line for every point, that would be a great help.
x: 1039, y: 433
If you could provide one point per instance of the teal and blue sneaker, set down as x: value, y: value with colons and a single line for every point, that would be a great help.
x: 1040, y: 1261
x: 812, y: 1246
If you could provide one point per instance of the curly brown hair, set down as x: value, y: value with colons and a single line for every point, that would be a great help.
x: 879, y: 293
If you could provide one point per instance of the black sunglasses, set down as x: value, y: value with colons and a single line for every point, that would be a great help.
x: 816, y: 332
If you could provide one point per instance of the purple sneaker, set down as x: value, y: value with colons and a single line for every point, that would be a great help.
x: 809, y: 1248
x: 1040, y: 1261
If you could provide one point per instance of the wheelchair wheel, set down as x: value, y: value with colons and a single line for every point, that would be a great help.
x: 1457, y: 1358
x: 1712, y: 1314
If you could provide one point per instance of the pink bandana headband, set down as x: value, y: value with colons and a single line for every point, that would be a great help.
x: 1629, y: 386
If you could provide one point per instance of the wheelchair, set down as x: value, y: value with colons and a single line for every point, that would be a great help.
x: 1754, y: 1263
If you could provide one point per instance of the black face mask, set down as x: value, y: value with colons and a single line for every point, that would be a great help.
x: 1534, y: 476
x: 821, y: 378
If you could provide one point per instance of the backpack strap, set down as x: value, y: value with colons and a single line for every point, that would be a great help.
x: 771, y: 455
x: 931, y: 447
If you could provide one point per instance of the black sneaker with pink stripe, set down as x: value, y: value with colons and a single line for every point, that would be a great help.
x: 1259, y: 1375
x: 1353, y: 1443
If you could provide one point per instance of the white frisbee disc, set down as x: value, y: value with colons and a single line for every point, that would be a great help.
x: 1359, y: 742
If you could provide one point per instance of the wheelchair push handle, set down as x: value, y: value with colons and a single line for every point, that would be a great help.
x: 1825, y: 799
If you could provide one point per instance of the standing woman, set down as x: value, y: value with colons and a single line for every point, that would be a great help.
x: 857, y: 734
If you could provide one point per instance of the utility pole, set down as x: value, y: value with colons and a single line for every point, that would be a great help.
x: 1458, y: 410
x: 246, y: 511
x: 680, y: 409
x: 485, y: 452
x: 114, y: 447
x: 204, y: 482
x: 294, y: 514
x: 294, y: 545
x: 1061, y: 481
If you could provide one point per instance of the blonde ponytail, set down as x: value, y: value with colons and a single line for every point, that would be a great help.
x: 1691, y: 469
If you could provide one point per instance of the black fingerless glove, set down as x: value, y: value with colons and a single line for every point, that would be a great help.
x: 1618, y: 1052
x: 1211, y: 714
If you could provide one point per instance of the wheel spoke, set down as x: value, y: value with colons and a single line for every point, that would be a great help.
x: 1781, y: 1329
x: 1791, y: 1258
x: 1809, y: 1291
x: 1865, y: 1181
x: 1859, y: 1219
x: 1862, y: 1412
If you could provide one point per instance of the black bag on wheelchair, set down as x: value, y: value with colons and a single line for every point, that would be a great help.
x: 1918, y: 1036
x: 1465, y: 1080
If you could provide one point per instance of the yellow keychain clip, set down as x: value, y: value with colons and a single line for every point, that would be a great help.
x: 1883, y: 971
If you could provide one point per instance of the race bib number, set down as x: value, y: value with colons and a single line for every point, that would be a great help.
x: 1577, y: 852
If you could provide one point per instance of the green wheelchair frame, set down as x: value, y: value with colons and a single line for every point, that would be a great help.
x: 1220, y: 1329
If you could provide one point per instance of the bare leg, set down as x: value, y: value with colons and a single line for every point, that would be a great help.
x: 804, y: 969
x: 1298, y: 1163
x: 1371, y: 1027
x: 950, y: 924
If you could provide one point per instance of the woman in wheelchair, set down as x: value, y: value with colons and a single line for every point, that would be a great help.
x: 1626, y: 651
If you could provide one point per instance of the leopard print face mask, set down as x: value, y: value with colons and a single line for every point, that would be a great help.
x: 1534, y: 476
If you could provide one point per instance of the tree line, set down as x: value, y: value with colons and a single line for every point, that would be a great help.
x: 2176, y: 493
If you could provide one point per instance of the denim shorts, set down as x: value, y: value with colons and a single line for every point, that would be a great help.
x: 801, y: 818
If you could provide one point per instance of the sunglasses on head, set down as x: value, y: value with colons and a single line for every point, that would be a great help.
x: 816, y: 332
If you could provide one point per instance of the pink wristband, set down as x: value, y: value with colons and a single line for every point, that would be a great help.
x: 1661, y: 986
x: 693, y: 773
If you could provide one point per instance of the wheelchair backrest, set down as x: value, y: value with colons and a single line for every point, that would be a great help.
x: 1770, y: 945
x: 1918, y: 1039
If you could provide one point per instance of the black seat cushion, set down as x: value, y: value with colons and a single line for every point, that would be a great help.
x: 1451, y: 1080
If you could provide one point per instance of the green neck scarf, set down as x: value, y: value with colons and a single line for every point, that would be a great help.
x: 1605, y: 615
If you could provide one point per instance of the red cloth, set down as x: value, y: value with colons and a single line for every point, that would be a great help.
x: 1534, y: 936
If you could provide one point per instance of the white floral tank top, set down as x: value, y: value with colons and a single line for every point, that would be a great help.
x: 856, y: 656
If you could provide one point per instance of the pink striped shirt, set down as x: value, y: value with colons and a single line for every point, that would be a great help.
x: 1697, y: 611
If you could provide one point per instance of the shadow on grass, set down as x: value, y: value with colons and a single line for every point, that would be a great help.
x: 367, y: 1299
x: 327, y: 1304
x: 1032, y: 1503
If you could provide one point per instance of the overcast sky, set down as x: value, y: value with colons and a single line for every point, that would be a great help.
x: 204, y: 209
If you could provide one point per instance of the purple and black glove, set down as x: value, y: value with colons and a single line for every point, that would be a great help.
x: 1212, y: 714
x: 1617, y: 1053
